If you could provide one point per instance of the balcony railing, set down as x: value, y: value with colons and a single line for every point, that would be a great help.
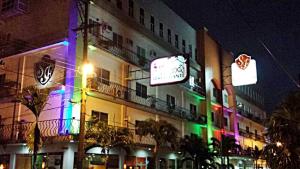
x: 120, y: 51
x: 51, y: 130
x: 129, y: 95
x: 14, y: 47
x: 250, y: 116
x: 251, y: 135
x: 8, y: 89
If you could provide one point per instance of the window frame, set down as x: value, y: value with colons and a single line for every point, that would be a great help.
x: 141, y: 90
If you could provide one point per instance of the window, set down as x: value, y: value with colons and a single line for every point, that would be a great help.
x: 141, y: 52
x: 141, y: 90
x: 171, y: 164
x: 190, y: 50
x: 100, y: 116
x: 152, y: 24
x: 195, y: 52
x: 193, y: 110
x: 119, y: 4
x: 176, y: 41
x: 225, y: 121
x: 152, y: 53
x: 7, y: 5
x: 102, y: 75
x: 94, y: 29
x: 142, y: 16
x: 137, y: 123
x: 215, y: 92
x: 225, y: 98
x: 171, y: 101
x: 161, y: 30
x: 2, y: 78
x: 129, y: 42
x: 118, y: 40
x: 238, y: 126
x: 130, y: 8
x: 183, y: 46
x: 212, y: 116
x: 169, y: 36
x: 247, y: 129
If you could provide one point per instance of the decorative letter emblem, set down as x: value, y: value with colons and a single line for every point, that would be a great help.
x: 243, y: 61
x: 44, y: 69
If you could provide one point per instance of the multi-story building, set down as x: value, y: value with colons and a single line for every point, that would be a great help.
x: 123, y: 37
x: 251, y: 119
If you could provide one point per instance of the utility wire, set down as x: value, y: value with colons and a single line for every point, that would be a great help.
x: 263, y: 44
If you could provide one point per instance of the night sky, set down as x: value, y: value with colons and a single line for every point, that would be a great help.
x: 239, y: 25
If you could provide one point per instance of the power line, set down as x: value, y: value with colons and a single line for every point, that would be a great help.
x: 263, y: 44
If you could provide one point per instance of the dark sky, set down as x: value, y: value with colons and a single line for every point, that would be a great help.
x: 238, y: 25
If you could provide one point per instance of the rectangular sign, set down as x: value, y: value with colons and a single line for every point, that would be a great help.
x: 169, y: 70
x: 243, y: 71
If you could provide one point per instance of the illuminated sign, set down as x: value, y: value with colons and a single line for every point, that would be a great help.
x: 243, y: 71
x: 44, y: 69
x: 169, y: 70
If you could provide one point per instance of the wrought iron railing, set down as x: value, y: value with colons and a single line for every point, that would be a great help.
x: 51, y: 130
x: 250, y: 116
x: 8, y: 88
x: 56, y: 130
x: 128, y: 55
x: 118, y: 91
x: 251, y: 135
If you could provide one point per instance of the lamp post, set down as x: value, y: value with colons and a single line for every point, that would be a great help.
x: 86, y: 69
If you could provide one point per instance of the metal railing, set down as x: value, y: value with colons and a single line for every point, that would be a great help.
x: 251, y: 135
x: 8, y: 88
x: 54, y: 130
x: 249, y: 116
x: 128, y: 55
x: 118, y: 91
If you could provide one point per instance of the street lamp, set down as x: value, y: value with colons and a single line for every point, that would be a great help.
x: 278, y: 144
x: 87, y: 69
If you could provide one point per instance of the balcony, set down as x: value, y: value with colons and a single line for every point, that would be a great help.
x: 123, y: 53
x: 197, y: 88
x: 13, y: 47
x: 251, y: 135
x: 250, y: 116
x: 51, y: 131
x: 8, y: 90
x: 129, y: 95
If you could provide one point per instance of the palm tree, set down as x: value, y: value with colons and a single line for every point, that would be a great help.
x: 100, y: 134
x: 163, y: 133
x: 194, y: 149
x: 224, y: 148
x: 35, y: 100
x: 256, y: 153
x: 283, y: 151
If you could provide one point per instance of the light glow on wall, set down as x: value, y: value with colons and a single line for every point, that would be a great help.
x: 244, y: 71
x: 169, y: 70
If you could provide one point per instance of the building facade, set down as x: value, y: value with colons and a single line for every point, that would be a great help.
x: 124, y: 36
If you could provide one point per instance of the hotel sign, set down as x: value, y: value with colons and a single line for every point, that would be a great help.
x: 169, y: 70
x: 44, y: 69
x: 244, y: 71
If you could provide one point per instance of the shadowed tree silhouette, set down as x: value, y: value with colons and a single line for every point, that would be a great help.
x: 256, y: 155
x: 194, y: 149
x: 100, y: 134
x: 224, y: 148
x: 164, y: 134
x: 283, y: 131
x: 35, y: 100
